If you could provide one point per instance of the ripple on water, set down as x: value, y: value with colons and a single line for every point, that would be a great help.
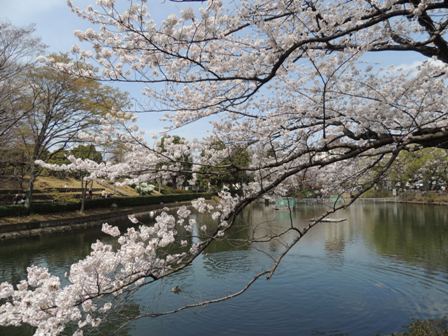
x: 363, y: 296
x: 308, y: 296
x: 217, y: 264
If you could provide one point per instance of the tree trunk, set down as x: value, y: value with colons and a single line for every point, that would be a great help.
x: 83, y: 195
x: 30, y: 190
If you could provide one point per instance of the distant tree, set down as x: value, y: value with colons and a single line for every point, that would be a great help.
x: 116, y: 151
x: 85, y: 152
x: 425, y: 169
x: 13, y: 165
x: 180, y: 176
x: 18, y: 49
x: 59, y: 156
x: 229, y: 172
x: 61, y: 107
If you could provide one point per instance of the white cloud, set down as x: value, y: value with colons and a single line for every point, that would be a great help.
x: 412, y: 69
x: 23, y: 12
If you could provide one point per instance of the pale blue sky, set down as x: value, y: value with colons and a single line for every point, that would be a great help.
x: 55, y: 24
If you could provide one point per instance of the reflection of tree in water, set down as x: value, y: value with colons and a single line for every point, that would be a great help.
x: 116, y: 322
x: 415, y: 234
x: 258, y: 222
x: 237, y: 237
x: 255, y: 222
x: 337, y: 237
x: 223, y: 255
x: 54, y: 251
x: 17, y: 331
x: 57, y: 252
x: 235, y: 252
x: 335, y: 247
x: 411, y: 233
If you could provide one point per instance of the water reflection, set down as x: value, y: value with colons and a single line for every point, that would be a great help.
x: 372, y: 274
x: 115, y: 321
x: 55, y: 251
x: 416, y: 235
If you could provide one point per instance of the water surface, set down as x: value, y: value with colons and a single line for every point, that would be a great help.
x: 370, y: 275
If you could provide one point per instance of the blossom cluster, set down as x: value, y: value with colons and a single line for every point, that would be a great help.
x: 287, y: 81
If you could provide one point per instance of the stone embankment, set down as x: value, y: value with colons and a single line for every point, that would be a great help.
x: 78, y: 222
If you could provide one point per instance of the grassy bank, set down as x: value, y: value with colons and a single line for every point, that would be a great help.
x: 49, y: 184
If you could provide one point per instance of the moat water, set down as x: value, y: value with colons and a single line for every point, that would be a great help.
x: 373, y: 274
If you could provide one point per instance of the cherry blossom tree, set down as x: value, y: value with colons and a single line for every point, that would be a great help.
x: 288, y: 81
